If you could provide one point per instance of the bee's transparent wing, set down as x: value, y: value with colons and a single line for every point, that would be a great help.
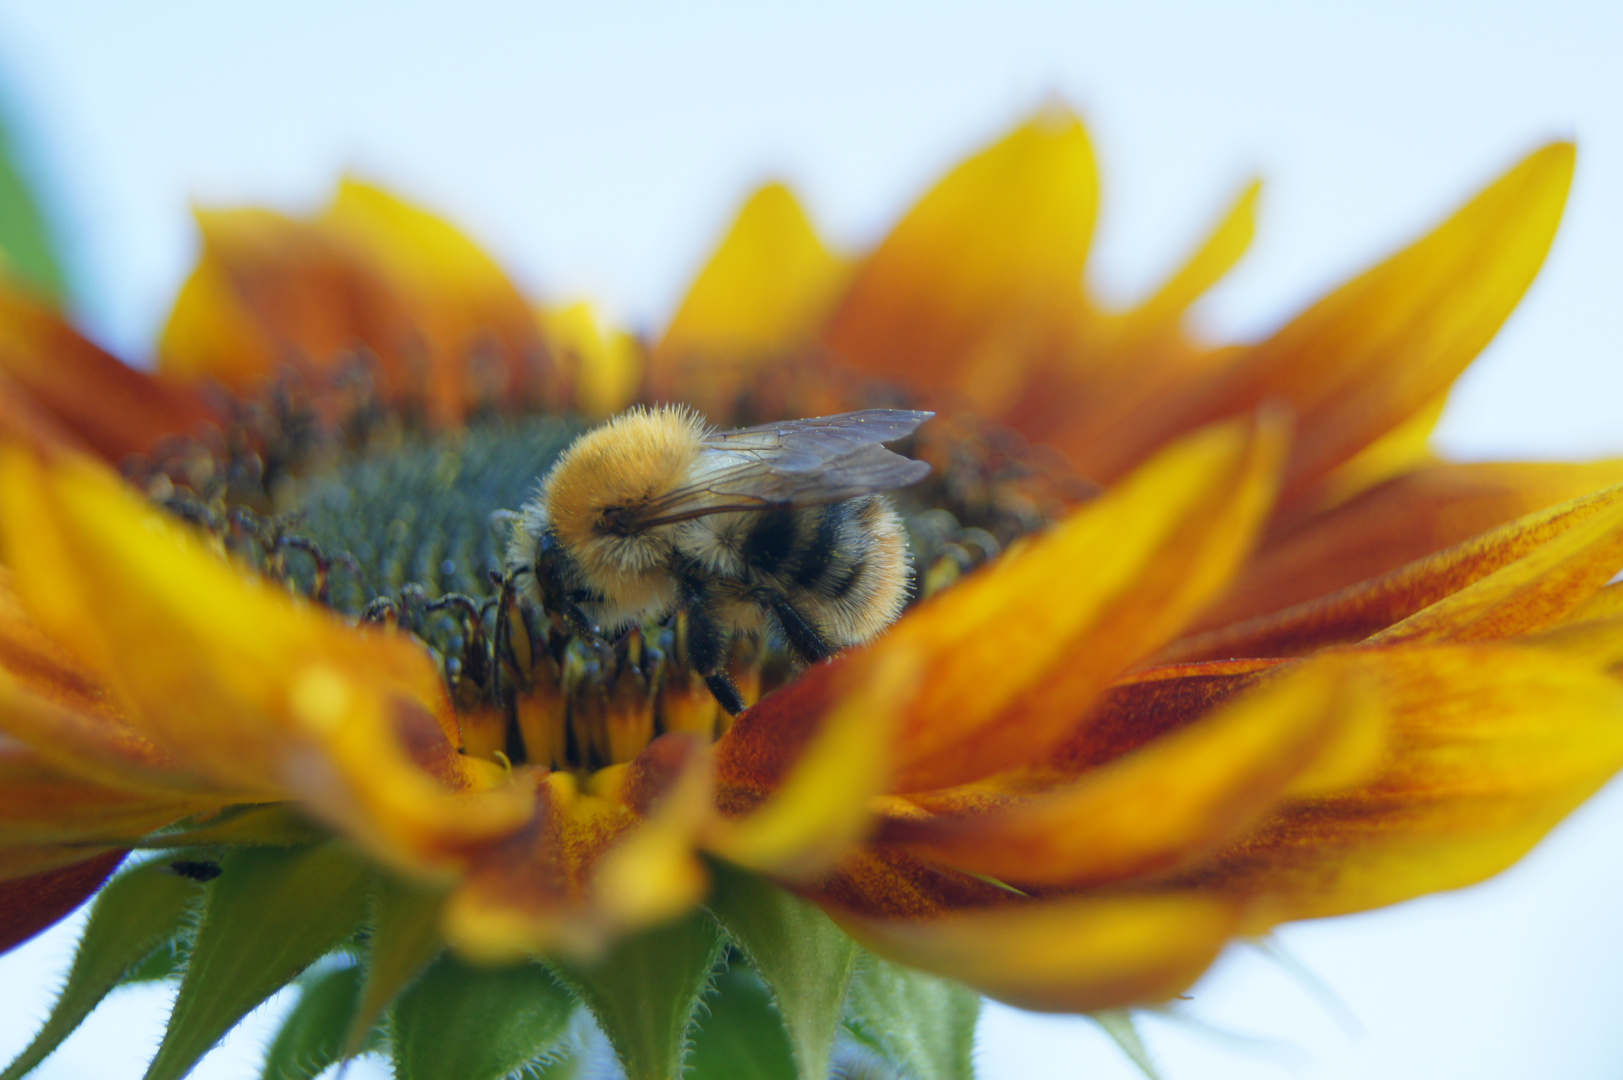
x: 794, y: 463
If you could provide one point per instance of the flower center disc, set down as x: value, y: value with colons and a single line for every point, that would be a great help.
x: 406, y: 531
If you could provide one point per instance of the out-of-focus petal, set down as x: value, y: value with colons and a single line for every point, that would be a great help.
x: 603, y: 364
x: 30, y: 904
x: 1170, y: 802
x: 890, y: 883
x: 1355, y: 613
x: 374, y: 291
x: 1383, y: 347
x: 1147, y: 705
x: 1538, y: 590
x: 1490, y: 746
x: 1404, y: 519
x: 819, y: 807
x: 1112, y: 370
x: 481, y: 337
x: 1071, y: 955
x: 1015, y: 653
x: 763, y: 294
x: 269, y: 293
x: 983, y: 271
x: 107, y: 406
x: 1402, y: 451
x: 237, y: 680
x: 41, y: 804
x: 53, y: 703
x: 1213, y: 259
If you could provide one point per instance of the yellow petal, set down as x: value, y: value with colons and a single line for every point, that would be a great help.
x: 820, y: 806
x: 1016, y: 652
x: 233, y: 678
x: 1385, y: 346
x: 1074, y: 955
x: 996, y: 248
x: 1490, y: 746
x: 1214, y: 258
x: 482, y: 340
x: 1175, y: 799
x: 763, y: 294
x: 604, y: 364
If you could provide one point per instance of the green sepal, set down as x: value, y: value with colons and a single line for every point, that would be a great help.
x: 644, y: 989
x: 459, y: 1022
x: 271, y: 913
x: 312, y: 1035
x: 27, y: 250
x: 405, y: 937
x: 167, y: 961
x: 743, y: 1035
x: 140, y: 912
x: 805, y: 959
x: 1120, y: 1026
x: 922, y: 1025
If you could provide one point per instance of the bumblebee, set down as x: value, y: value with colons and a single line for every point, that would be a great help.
x: 778, y: 528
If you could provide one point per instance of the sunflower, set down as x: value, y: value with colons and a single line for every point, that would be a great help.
x: 1204, y: 639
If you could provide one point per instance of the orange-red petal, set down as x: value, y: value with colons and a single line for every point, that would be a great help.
x: 1015, y: 654
x: 1164, y: 805
x: 1490, y: 746
x: 1355, y: 613
x: 1406, y: 518
x: 62, y: 380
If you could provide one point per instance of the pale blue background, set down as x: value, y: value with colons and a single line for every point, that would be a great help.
x: 597, y: 149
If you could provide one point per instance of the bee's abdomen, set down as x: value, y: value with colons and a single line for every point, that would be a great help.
x: 843, y: 565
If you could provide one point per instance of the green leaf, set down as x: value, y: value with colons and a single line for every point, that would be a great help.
x: 27, y: 253
x: 922, y: 1025
x: 405, y: 937
x: 644, y: 989
x: 743, y: 1038
x: 459, y: 1022
x: 312, y: 1036
x: 805, y: 959
x: 271, y: 913
x: 1119, y: 1025
x: 137, y: 914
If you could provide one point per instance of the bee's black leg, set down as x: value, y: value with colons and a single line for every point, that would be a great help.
x: 707, y: 641
x: 721, y: 684
x: 804, y: 638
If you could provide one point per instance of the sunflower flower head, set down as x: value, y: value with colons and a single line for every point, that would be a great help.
x: 1198, y: 640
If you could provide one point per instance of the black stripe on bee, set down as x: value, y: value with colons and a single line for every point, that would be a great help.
x: 814, y: 563
x: 770, y: 540
x: 849, y: 579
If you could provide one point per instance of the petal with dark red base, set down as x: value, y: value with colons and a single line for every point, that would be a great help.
x: 30, y: 904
